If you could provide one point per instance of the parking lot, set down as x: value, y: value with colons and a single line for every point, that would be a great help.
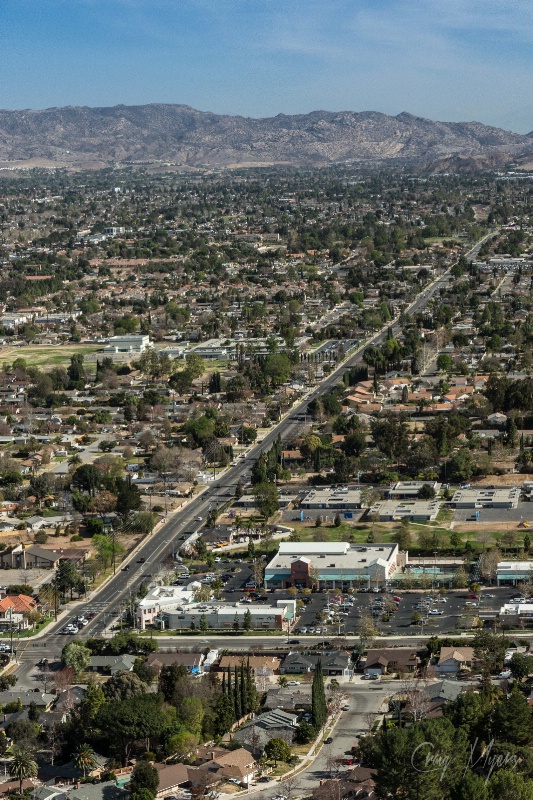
x: 326, y: 614
x: 524, y: 511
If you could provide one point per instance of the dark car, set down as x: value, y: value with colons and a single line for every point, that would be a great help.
x: 264, y: 779
x: 126, y: 568
x: 328, y: 740
x: 141, y: 560
x: 294, y: 641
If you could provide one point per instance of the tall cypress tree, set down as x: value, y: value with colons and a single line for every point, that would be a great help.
x: 230, y: 691
x: 318, y: 698
x: 223, y: 683
x: 237, y: 695
x: 244, y: 699
x: 251, y: 692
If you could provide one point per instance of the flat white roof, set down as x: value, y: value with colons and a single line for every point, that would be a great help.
x: 514, y: 566
x: 312, y: 548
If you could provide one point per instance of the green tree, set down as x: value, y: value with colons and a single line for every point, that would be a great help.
x: 76, y: 656
x: 247, y: 621
x: 224, y: 714
x: 141, y: 717
x: 87, y: 478
x: 22, y: 766
x: 277, y: 750
x: 444, y: 362
x: 305, y: 732
x: 144, y: 776
x: 66, y: 578
x: 521, y: 666
x: 266, y: 499
x: 513, y: 721
x: 122, y: 686
x: 84, y: 758
x: 318, y: 698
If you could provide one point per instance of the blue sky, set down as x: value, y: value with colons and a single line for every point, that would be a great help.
x: 442, y: 59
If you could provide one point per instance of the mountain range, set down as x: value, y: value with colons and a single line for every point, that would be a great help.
x: 80, y: 137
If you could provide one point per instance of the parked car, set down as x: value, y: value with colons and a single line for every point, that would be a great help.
x: 506, y: 673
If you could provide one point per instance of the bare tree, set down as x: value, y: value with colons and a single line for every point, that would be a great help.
x: 418, y: 700
x: 290, y: 786
x: 370, y: 719
x: 63, y: 679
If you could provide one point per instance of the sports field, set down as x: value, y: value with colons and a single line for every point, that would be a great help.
x: 46, y: 356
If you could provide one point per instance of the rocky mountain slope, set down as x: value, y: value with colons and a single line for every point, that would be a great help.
x: 182, y: 135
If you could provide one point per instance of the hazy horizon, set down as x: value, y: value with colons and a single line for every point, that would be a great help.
x: 460, y: 61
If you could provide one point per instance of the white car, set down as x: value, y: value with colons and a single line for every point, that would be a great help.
x: 4, y: 647
x: 435, y: 612
x: 505, y: 674
x: 293, y: 683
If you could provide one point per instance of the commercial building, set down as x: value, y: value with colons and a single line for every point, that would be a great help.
x: 172, y: 607
x: 483, y: 497
x: 509, y: 573
x: 343, y: 497
x: 131, y: 343
x: 413, y: 510
x: 405, y: 490
x: 517, y: 609
x: 332, y: 565
x: 226, y: 616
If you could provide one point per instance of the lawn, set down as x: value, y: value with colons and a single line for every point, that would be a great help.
x: 46, y: 356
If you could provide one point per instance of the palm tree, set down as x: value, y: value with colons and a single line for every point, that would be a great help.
x: 22, y: 766
x: 74, y: 461
x: 84, y: 758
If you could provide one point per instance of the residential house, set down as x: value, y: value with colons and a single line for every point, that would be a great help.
x: 191, y: 661
x: 261, y: 666
x: 172, y: 778
x: 15, y: 610
x: 235, y: 765
x: 289, y: 698
x: 109, y: 665
x: 36, y: 557
x: 337, y: 663
x: 382, y: 661
x: 275, y: 724
x: 453, y: 659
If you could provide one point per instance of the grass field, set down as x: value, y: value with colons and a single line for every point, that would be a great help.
x: 46, y: 356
